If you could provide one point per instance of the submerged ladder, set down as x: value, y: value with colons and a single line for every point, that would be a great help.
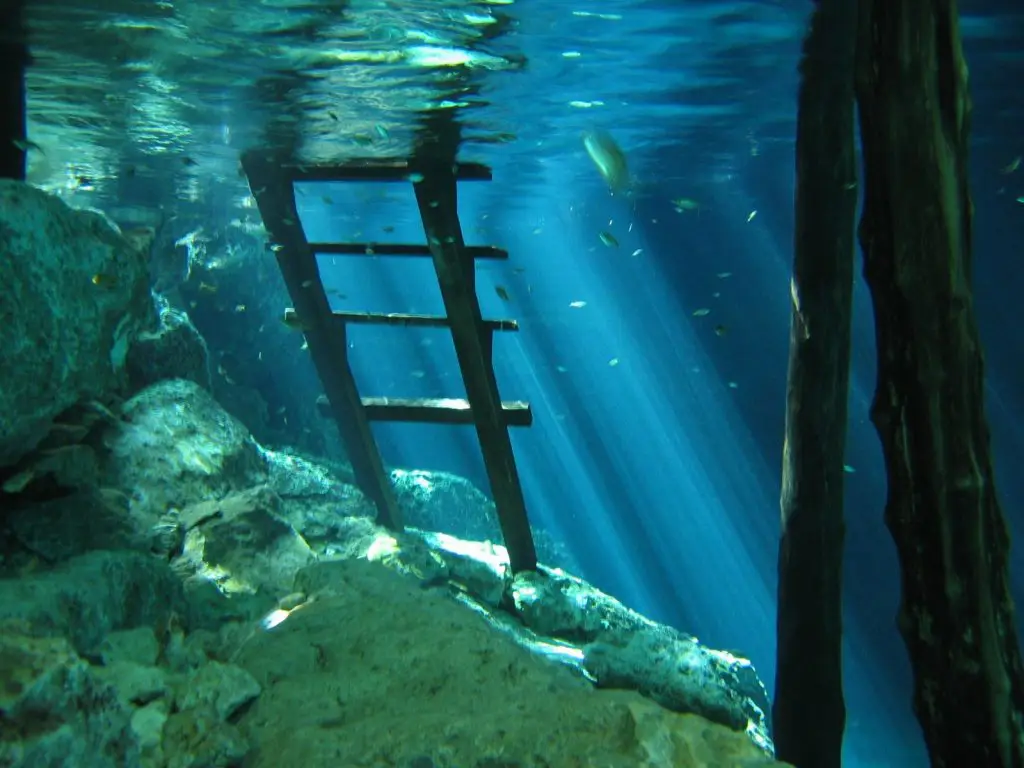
x: 272, y: 180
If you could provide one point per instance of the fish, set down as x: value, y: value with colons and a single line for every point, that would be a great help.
x: 721, y: 330
x: 502, y: 292
x: 1012, y: 166
x: 685, y: 204
x: 207, y: 288
x: 608, y: 239
x: 577, y: 304
x: 104, y: 280
x: 19, y: 482
x: 703, y: 311
x: 609, y: 159
x: 295, y: 323
x: 750, y: 218
x: 24, y: 145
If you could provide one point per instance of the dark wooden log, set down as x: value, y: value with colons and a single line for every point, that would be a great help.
x: 13, y: 60
x: 956, y: 614
x: 809, y: 714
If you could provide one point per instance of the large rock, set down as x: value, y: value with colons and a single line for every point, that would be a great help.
x: 175, y: 350
x: 176, y: 446
x: 378, y: 671
x: 74, y: 292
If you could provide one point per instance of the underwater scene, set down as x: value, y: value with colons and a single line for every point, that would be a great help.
x: 416, y: 383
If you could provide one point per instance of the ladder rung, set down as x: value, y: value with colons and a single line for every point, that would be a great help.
x: 378, y: 170
x: 291, y: 318
x: 434, y: 410
x: 380, y: 249
x: 422, y: 321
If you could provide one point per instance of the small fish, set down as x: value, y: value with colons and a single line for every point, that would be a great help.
x: 724, y: 275
x: 733, y: 385
x: 637, y: 252
x: 721, y: 330
x: 389, y: 229
x: 207, y: 288
x: 418, y: 374
x: 538, y: 231
x: 502, y: 292
x: 224, y: 374
x: 685, y: 204
x: 577, y: 304
x: 848, y: 469
x: 613, y: 362
x: 295, y: 323
x: 305, y: 346
x: 609, y: 239
x: 332, y: 115
x: 703, y: 311
x: 19, y: 482
x: 239, y: 308
x: 24, y: 145
x: 327, y: 199
x: 104, y: 280
x: 561, y: 369
x: 416, y: 178
x: 1012, y: 166
x: 382, y: 131
x: 307, y: 283
x: 188, y: 162
x: 750, y: 218
x: 1020, y: 200
x: 519, y: 270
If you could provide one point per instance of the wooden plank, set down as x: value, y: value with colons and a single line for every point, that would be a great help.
x: 398, y: 249
x: 434, y: 410
x: 326, y: 338
x: 291, y: 319
x: 383, y: 170
x: 437, y: 198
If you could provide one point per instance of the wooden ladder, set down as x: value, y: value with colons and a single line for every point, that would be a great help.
x: 271, y: 180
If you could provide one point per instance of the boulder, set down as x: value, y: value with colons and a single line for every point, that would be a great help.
x: 74, y: 294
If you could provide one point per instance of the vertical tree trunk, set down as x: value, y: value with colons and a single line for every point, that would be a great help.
x: 13, y: 59
x: 808, y: 713
x: 956, y: 615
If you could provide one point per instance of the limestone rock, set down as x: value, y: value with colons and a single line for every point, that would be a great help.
x: 75, y: 293
x: 221, y: 688
x: 90, y: 595
x: 242, y: 544
x: 55, y: 711
x: 177, y: 446
x: 174, y: 350
x: 379, y: 671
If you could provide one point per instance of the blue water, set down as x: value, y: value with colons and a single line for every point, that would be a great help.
x: 655, y: 452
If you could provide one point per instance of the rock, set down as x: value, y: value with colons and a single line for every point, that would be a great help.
x: 175, y: 350
x: 81, y: 291
x: 87, y: 597
x: 55, y: 711
x: 197, y: 739
x: 378, y: 671
x: 135, y: 684
x: 221, y: 688
x: 68, y: 526
x: 148, y: 725
x: 439, y: 501
x: 138, y: 646
x: 622, y: 649
x: 242, y: 544
x: 177, y: 446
